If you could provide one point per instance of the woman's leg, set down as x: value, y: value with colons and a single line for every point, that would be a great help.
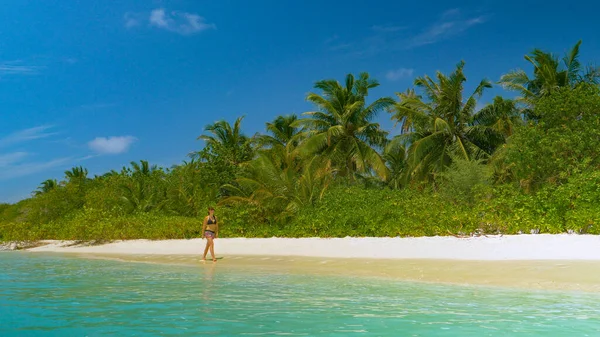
x: 212, y: 249
x: 208, y: 243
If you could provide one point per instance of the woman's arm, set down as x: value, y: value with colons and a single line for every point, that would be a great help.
x: 204, y: 226
x: 217, y: 232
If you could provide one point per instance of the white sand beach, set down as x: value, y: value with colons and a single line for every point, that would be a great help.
x: 490, y: 248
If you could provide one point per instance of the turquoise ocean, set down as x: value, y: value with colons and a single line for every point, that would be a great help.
x: 53, y: 295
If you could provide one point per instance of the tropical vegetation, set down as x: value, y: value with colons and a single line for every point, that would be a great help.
x: 528, y: 164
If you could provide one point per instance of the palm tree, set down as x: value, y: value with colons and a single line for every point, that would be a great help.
x: 548, y: 75
x: 144, y: 189
x: 107, y: 175
x: 77, y: 174
x: 282, y: 140
x: 277, y: 188
x: 46, y: 186
x: 343, y: 129
x: 143, y: 168
x: 187, y: 189
x: 438, y: 128
x: 395, y: 158
x: 502, y: 116
x: 227, y: 141
x: 407, y: 112
x: 280, y: 132
x: 494, y: 123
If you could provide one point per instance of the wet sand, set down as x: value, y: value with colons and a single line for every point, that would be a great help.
x: 561, y: 275
x: 553, y: 262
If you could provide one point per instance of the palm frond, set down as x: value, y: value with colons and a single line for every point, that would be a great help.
x: 572, y: 64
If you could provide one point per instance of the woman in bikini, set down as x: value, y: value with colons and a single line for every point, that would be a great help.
x: 210, y: 231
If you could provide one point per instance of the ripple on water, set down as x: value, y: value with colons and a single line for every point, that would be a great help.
x: 67, y: 296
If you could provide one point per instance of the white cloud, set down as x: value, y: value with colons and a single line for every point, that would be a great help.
x: 132, y: 20
x: 11, y: 69
x: 333, y: 43
x: 111, y: 145
x: 158, y: 18
x: 18, y: 164
x: 394, y: 75
x: 19, y: 170
x: 178, y: 22
x: 454, y: 12
x: 449, y: 25
x: 17, y: 68
x: 11, y: 158
x: 196, y: 23
x: 394, y: 37
x: 27, y: 134
x: 475, y: 21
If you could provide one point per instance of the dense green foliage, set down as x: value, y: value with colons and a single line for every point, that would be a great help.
x: 515, y: 166
x: 565, y: 142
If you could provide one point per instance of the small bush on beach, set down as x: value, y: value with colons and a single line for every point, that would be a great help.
x: 464, y: 178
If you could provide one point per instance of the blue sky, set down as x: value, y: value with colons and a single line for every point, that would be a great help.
x: 101, y: 84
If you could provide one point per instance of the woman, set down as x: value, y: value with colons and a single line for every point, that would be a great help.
x: 210, y: 230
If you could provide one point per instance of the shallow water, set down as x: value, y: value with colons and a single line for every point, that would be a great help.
x: 562, y: 275
x: 63, y: 296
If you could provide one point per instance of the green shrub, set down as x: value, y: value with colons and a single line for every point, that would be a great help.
x: 462, y: 180
x: 562, y: 144
x: 354, y: 211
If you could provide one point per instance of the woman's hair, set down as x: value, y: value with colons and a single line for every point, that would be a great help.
x: 210, y: 209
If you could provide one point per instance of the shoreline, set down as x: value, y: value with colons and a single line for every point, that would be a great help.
x: 528, y: 262
x: 565, y: 276
x: 484, y: 248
